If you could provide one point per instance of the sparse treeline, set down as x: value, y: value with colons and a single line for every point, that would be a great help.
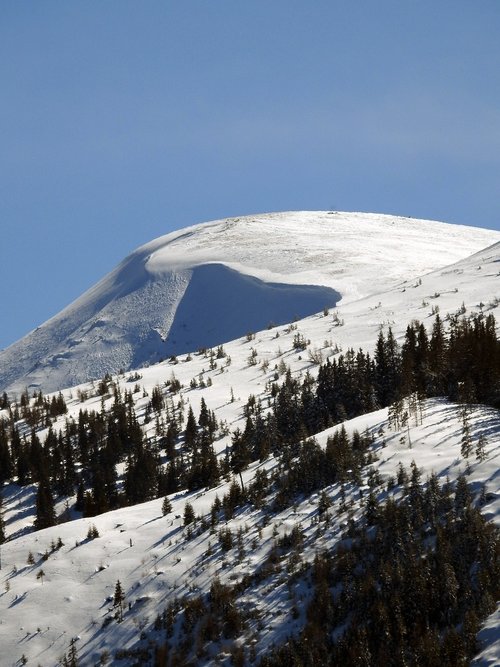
x: 408, y: 584
x: 411, y: 578
x: 82, y: 455
x: 409, y: 587
x: 461, y: 362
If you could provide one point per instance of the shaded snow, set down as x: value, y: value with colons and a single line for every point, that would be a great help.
x: 124, y: 321
x: 39, y: 619
x: 221, y: 304
x: 150, y: 555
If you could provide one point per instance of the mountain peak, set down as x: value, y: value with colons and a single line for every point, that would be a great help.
x: 209, y: 283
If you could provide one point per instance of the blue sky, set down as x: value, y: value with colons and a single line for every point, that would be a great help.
x: 120, y: 121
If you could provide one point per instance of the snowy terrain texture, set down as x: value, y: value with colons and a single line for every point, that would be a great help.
x: 388, y: 271
x: 210, y: 283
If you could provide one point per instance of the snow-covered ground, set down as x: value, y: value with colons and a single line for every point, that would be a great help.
x: 147, y: 552
x: 163, y: 299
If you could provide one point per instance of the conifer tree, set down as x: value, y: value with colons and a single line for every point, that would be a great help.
x: 437, y: 358
x: 45, y: 512
x: 189, y: 515
x: 2, y: 522
x: 5, y: 456
x: 324, y: 503
x: 466, y: 446
x: 481, y: 448
x: 119, y: 601
x: 71, y: 659
x: 166, y: 507
x: 191, y: 431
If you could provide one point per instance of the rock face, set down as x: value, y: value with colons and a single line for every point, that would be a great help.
x: 210, y: 283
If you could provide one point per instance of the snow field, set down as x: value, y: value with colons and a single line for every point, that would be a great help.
x: 39, y: 616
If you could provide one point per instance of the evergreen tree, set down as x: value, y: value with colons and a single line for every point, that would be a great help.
x: 387, y: 368
x: 191, y: 431
x: 6, y: 467
x: 463, y: 497
x: 2, y: 522
x: 45, y: 512
x: 481, y: 448
x: 466, y: 446
x: 166, y: 507
x: 71, y: 659
x: 189, y: 515
x: 119, y: 601
x: 324, y: 503
x: 240, y: 450
x: 437, y: 359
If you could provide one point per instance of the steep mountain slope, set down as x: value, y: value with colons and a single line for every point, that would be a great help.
x: 197, y: 287
x: 157, y: 559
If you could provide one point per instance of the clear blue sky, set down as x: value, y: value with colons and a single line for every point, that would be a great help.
x: 122, y: 120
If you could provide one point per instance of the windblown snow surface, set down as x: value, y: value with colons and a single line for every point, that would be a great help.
x: 210, y: 283
x: 149, y: 554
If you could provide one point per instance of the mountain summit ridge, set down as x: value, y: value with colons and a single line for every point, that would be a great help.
x: 184, y: 290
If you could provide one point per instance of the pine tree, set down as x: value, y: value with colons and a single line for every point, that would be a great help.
x: 92, y: 532
x: 189, y: 515
x: 6, y: 467
x: 324, y: 503
x: 204, y: 418
x: 166, y: 507
x: 466, y: 446
x: 372, y: 509
x: 191, y: 431
x: 481, y: 448
x: 387, y: 368
x: 71, y: 660
x: 463, y: 495
x: 45, y: 512
x: 2, y: 529
x: 119, y: 601
x: 437, y: 359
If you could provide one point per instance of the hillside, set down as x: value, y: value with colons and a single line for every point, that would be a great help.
x: 213, y: 282
x: 266, y: 546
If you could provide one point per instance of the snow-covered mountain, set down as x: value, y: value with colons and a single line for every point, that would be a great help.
x: 210, y: 283
x: 387, y: 272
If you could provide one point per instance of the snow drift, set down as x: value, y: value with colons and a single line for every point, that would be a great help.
x: 210, y: 283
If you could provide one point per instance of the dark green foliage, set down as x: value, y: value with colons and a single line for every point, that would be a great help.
x: 166, y: 507
x: 411, y: 591
x: 2, y: 522
x: 226, y: 539
x: 141, y: 476
x: 315, y: 467
x: 191, y: 431
x: 204, y: 621
x: 6, y: 467
x: 387, y: 377
x: 119, y: 601
x: 92, y: 532
x: 462, y: 362
x: 189, y: 515
x: 409, y: 586
x: 71, y: 658
x: 45, y: 513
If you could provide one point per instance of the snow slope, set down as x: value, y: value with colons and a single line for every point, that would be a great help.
x: 149, y: 553
x: 151, y: 557
x: 200, y: 286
